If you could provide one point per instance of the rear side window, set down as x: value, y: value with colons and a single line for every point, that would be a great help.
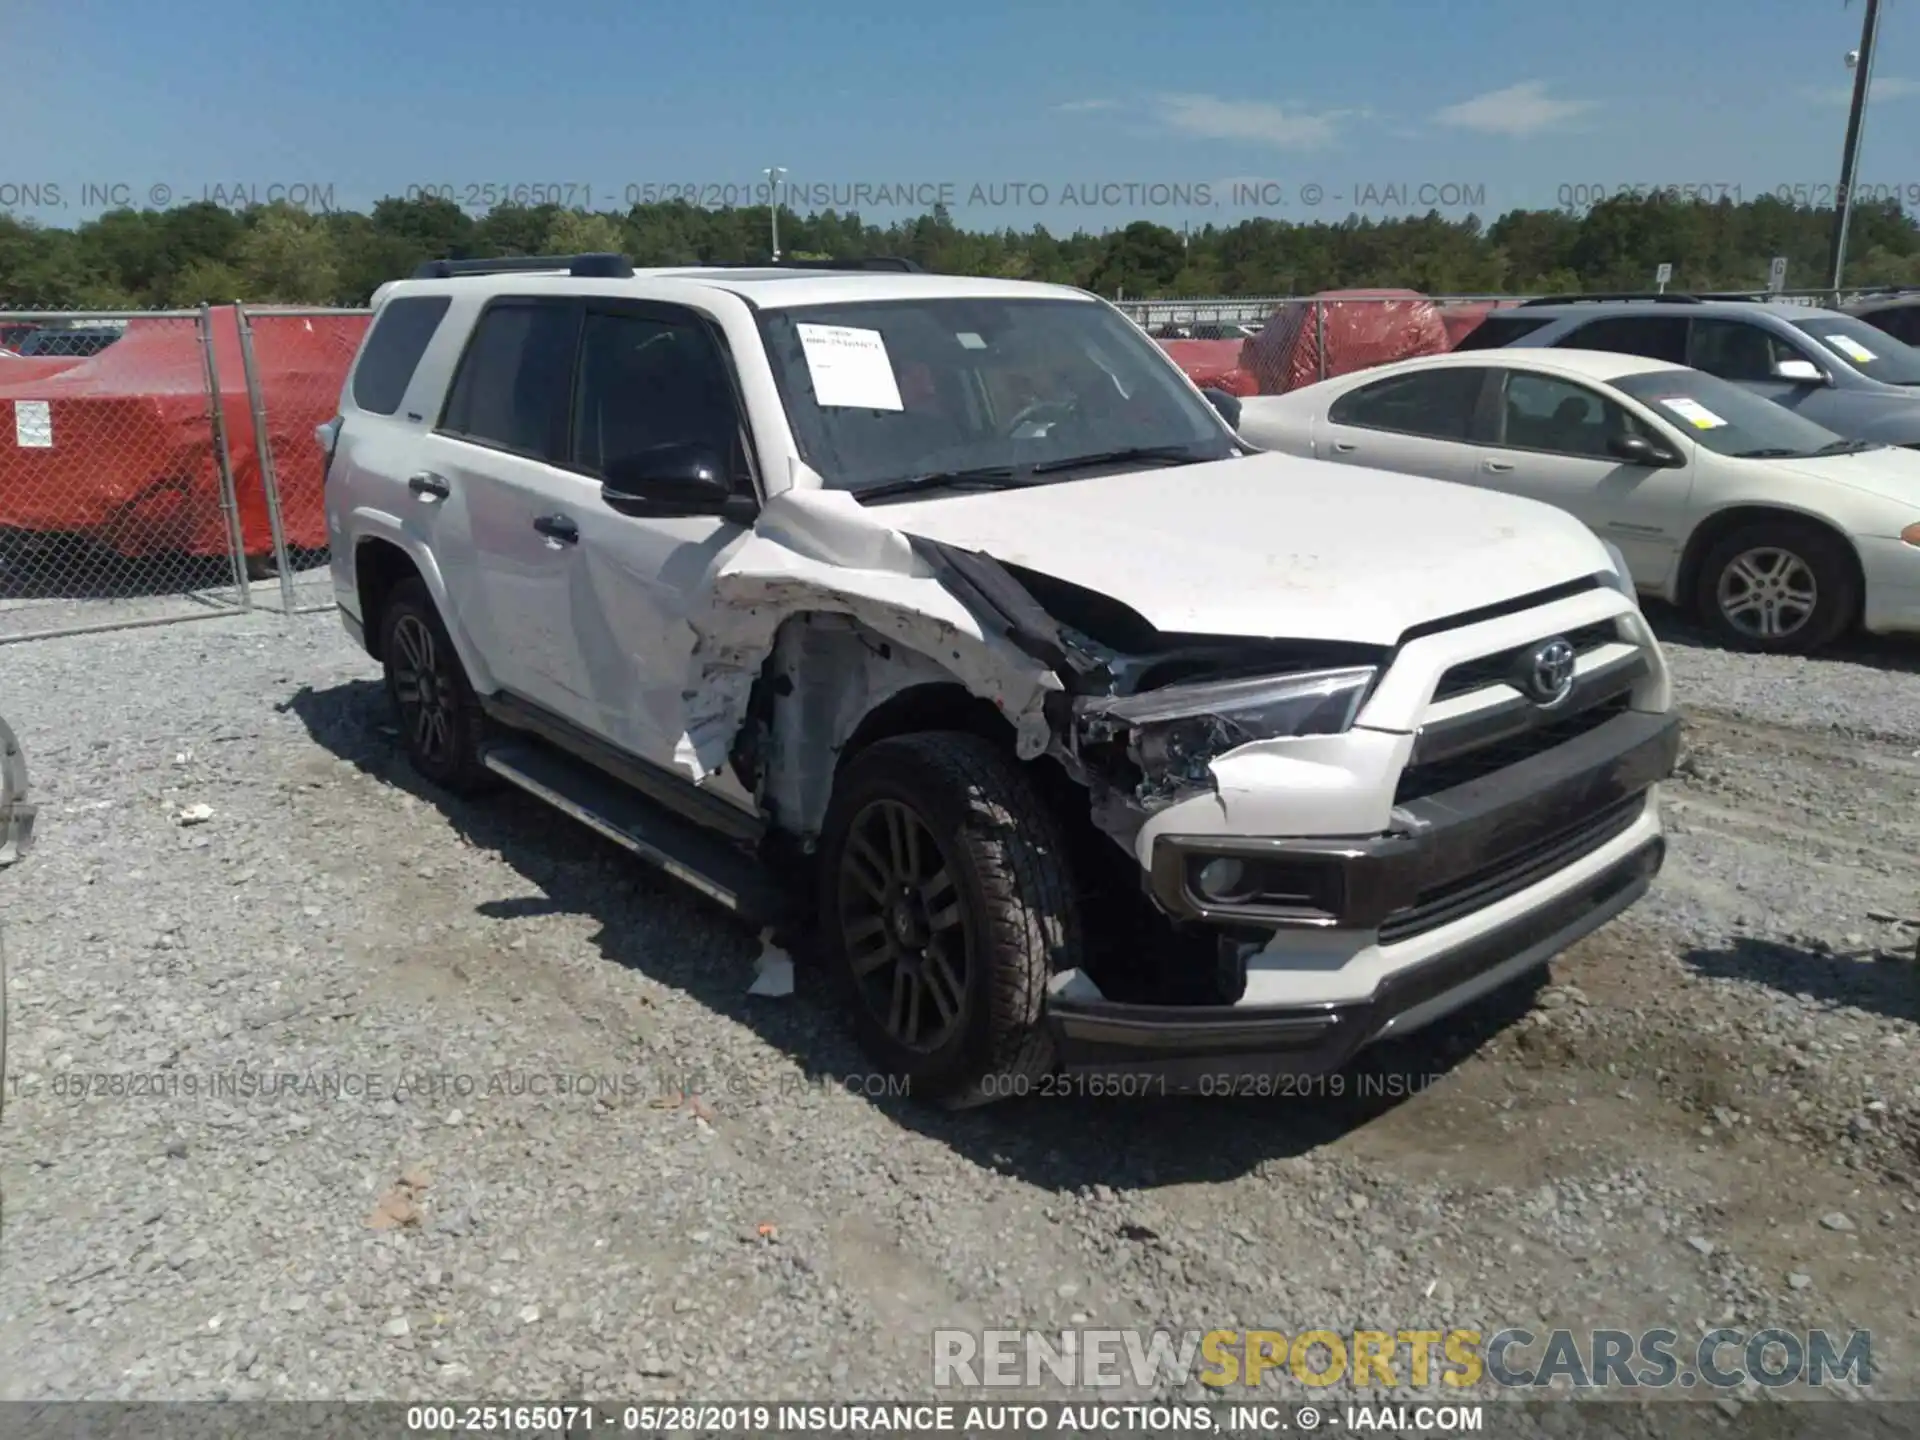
x: 1657, y: 337
x: 1438, y: 404
x: 1498, y: 330
x: 393, y: 350
x: 515, y: 383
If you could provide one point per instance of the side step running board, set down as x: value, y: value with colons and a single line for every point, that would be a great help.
x: 684, y: 850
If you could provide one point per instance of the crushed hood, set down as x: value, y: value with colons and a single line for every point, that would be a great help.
x: 1271, y: 545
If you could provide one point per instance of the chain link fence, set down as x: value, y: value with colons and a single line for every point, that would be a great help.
x: 117, y: 500
x: 295, y: 359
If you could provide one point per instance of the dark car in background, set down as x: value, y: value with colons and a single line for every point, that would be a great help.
x: 53, y: 342
x: 1897, y: 313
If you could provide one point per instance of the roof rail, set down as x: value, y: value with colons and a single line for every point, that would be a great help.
x: 603, y: 266
x: 870, y: 262
x: 1665, y: 297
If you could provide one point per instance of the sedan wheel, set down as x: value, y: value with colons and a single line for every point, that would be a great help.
x: 1787, y: 586
x: 1768, y: 594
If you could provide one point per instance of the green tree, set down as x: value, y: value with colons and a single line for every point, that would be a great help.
x: 288, y: 257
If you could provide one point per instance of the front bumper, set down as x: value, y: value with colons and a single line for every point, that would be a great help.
x: 1481, y: 851
x: 1892, y: 570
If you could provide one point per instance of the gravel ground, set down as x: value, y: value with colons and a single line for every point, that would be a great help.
x: 346, y: 1168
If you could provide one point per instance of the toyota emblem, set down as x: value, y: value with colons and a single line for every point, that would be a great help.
x: 1545, y: 673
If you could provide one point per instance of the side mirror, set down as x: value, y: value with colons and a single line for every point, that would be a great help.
x: 1638, y: 450
x: 1227, y: 405
x: 1801, y: 372
x: 675, y: 479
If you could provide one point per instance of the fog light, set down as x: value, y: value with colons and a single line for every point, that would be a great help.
x: 1220, y: 877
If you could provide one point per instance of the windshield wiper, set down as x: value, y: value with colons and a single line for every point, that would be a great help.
x: 979, y: 477
x: 1846, y: 447
x: 1165, y: 454
x: 1771, y: 452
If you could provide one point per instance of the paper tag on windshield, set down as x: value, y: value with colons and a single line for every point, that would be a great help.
x: 1693, y: 412
x: 1849, y: 347
x: 33, y: 424
x: 850, y: 367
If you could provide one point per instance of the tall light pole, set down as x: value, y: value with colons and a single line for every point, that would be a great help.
x: 1850, y: 157
x: 773, y: 174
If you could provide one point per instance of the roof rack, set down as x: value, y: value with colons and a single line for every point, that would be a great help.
x: 602, y: 266
x: 1665, y: 297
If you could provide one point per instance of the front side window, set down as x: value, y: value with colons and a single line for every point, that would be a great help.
x: 881, y: 391
x: 515, y: 381
x: 1737, y: 350
x: 1438, y: 404
x: 1727, y: 419
x: 1544, y: 412
x: 650, y: 381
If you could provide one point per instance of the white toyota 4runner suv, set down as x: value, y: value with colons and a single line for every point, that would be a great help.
x: 944, y: 621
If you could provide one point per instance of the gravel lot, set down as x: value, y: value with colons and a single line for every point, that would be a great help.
x: 1711, y: 1115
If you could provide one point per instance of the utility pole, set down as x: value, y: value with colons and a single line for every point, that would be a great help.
x: 773, y: 174
x: 1850, y: 156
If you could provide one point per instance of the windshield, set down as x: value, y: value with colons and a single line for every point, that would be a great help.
x: 1725, y: 418
x: 881, y: 392
x: 1868, y: 349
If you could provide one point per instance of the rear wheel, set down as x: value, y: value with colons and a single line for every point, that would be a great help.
x: 945, y: 907
x: 1780, y: 586
x: 441, y: 723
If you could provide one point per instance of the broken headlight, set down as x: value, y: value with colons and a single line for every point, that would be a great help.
x: 1174, y: 734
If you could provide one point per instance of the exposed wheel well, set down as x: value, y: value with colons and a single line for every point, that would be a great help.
x: 1718, y: 526
x: 378, y: 566
x: 929, y: 707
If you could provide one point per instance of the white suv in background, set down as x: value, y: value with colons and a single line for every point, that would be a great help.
x: 945, y: 621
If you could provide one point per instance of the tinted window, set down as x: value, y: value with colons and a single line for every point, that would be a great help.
x: 1727, y: 419
x: 1437, y: 403
x: 647, y: 382
x: 1658, y: 337
x: 1735, y: 350
x: 393, y: 351
x: 1543, y: 412
x: 1497, y: 330
x: 516, y: 379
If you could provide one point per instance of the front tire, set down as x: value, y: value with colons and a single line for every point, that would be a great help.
x: 441, y: 723
x: 945, y: 907
x: 1781, y: 587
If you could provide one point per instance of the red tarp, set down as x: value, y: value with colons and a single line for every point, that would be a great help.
x: 1213, y: 363
x: 131, y: 465
x: 1360, y: 333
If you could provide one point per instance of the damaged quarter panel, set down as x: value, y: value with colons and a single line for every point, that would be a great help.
x: 814, y: 553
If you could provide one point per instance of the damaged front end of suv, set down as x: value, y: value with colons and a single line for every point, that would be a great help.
x: 1139, y: 720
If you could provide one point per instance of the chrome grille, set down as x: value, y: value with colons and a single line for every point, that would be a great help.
x: 1420, y: 780
x: 1479, y: 673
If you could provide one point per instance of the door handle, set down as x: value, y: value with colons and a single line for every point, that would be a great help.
x: 429, y: 486
x: 1499, y: 467
x: 1344, y: 447
x: 558, y: 527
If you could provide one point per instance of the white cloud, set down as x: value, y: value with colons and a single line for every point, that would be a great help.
x: 1517, y: 110
x: 1885, y: 87
x: 1210, y: 117
x: 1081, y: 107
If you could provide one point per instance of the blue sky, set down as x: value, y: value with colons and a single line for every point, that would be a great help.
x: 1385, y: 105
